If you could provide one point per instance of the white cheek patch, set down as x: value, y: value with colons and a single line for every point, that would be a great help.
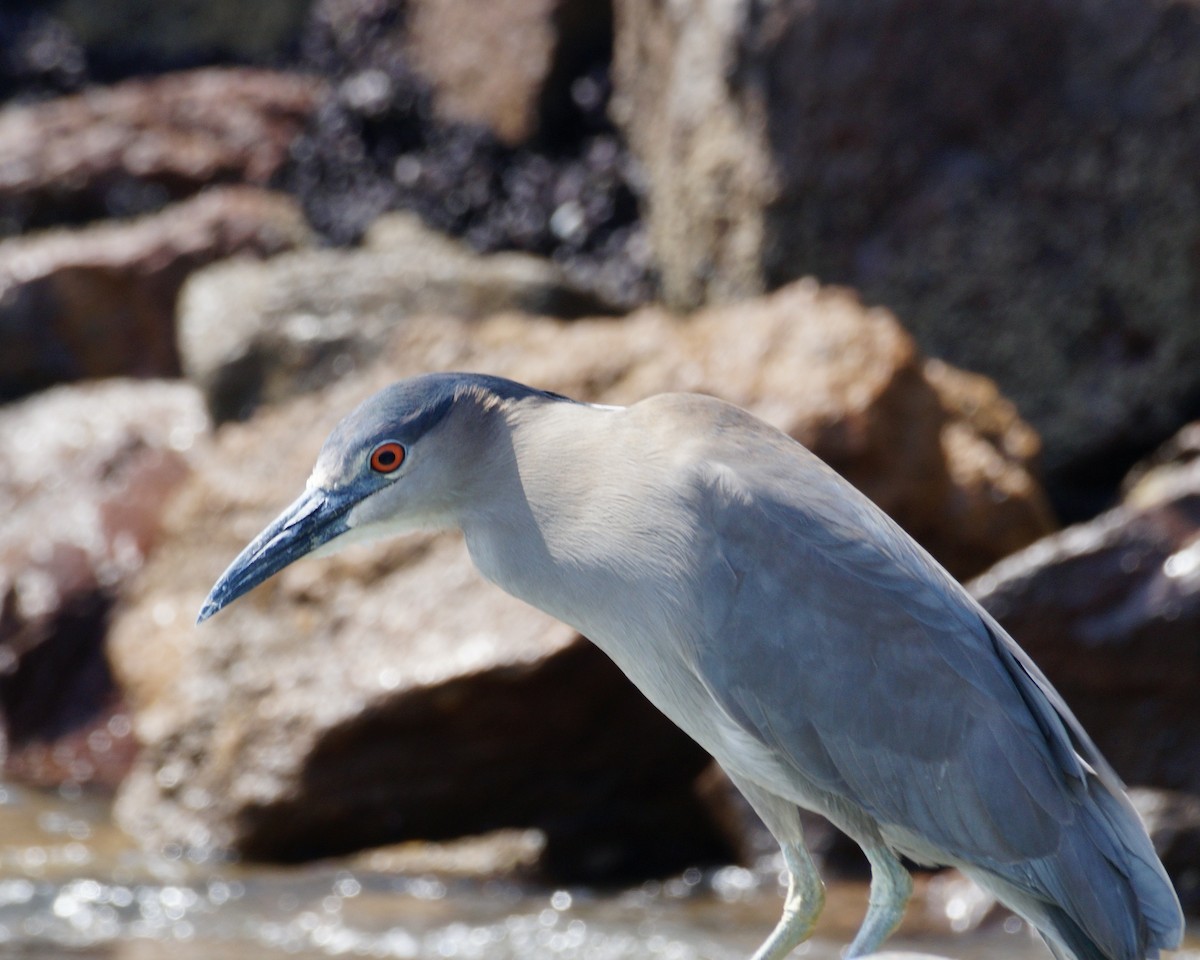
x: 369, y: 521
x: 365, y: 534
x: 364, y: 528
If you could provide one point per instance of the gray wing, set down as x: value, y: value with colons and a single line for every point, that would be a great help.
x: 840, y: 644
x: 847, y: 650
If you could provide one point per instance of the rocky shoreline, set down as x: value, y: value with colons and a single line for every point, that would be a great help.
x: 968, y: 283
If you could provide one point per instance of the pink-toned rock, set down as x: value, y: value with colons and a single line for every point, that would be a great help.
x: 135, y: 146
x: 99, y: 301
x: 84, y: 475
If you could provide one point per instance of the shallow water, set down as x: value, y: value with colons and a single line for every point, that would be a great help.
x: 72, y: 886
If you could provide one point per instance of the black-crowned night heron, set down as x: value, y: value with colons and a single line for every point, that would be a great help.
x: 777, y: 616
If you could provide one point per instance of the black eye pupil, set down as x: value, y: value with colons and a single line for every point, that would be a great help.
x: 387, y: 458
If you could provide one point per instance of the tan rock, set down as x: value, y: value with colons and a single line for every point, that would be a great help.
x: 700, y: 131
x: 992, y: 456
x: 251, y: 333
x: 488, y: 63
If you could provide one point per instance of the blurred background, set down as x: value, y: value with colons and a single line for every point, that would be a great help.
x: 951, y: 245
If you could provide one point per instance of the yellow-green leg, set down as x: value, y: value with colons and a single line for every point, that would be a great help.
x: 806, y: 892
x: 891, y: 888
x: 804, y: 902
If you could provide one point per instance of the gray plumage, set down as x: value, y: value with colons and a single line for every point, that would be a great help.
x: 777, y: 616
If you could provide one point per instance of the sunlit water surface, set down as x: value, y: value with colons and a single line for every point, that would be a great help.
x: 72, y: 886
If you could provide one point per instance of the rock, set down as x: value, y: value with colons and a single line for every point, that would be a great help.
x: 1159, y: 475
x: 938, y: 449
x: 42, y: 57
x: 129, y: 35
x: 313, y: 316
x: 84, y: 475
x: 992, y: 456
x: 694, y: 118
x: 511, y: 151
x: 1110, y: 610
x: 497, y: 65
x: 388, y: 693
x: 838, y: 857
x: 131, y: 148
x: 1016, y: 180
x: 99, y: 301
x: 506, y: 66
x: 501, y: 853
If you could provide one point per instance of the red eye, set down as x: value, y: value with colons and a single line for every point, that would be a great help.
x: 387, y: 457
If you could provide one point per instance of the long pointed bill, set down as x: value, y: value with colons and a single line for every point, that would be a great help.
x: 314, y: 519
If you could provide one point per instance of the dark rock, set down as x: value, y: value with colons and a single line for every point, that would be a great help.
x: 84, y: 475
x: 132, y: 148
x: 838, y: 855
x: 1016, y: 179
x: 41, y: 57
x: 100, y: 301
x: 1111, y: 611
x: 121, y: 37
x: 51, y: 47
x: 385, y: 140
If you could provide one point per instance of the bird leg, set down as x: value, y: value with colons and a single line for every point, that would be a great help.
x: 805, y: 898
x: 806, y: 892
x: 891, y: 887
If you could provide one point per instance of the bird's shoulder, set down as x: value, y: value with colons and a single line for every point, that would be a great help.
x: 678, y: 419
x: 713, y: 443
x: 755, y: 484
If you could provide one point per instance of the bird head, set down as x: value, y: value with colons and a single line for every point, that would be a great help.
x: 405, y: 459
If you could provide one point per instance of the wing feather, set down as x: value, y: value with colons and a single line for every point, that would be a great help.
x: 851, y: 653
